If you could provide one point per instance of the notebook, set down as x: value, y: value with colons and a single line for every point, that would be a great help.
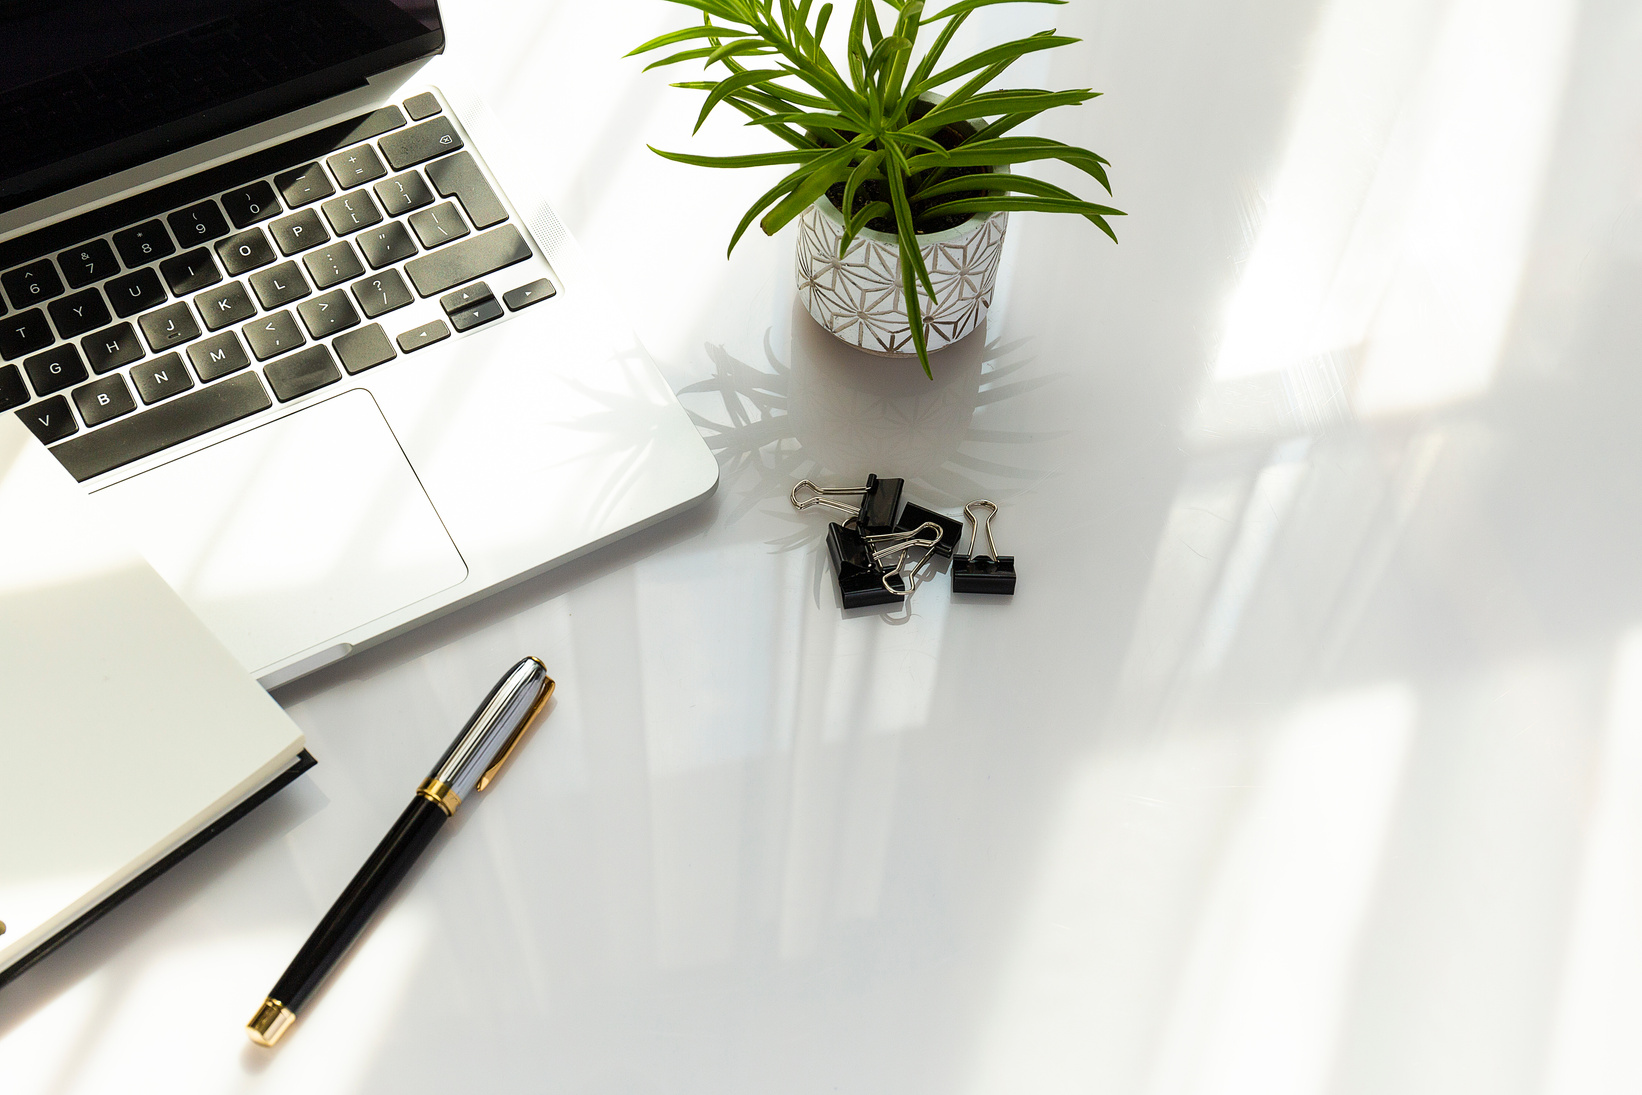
x: 128, y: 734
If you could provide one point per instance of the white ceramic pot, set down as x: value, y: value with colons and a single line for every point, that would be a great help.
x: 859, y: 298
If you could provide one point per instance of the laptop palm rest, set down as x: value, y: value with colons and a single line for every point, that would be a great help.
x: 292, y: 533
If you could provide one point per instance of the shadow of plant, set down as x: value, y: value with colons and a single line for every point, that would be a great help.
x: 835, y: 413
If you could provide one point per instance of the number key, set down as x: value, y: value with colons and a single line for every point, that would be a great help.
x: 89, y: 262
x: 144, y: 243
x: 33, y: 284
x: 382, y: 293
x: 200, y: 223
x: 250, y: 204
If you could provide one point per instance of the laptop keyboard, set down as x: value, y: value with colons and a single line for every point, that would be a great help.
x: 189, y: 319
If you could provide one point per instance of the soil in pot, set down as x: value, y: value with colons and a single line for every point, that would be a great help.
x: 874, y: 190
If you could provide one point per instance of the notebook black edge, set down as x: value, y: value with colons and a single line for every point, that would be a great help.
x: 303, y: 762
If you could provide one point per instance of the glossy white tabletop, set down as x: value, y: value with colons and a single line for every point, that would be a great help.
x: 1307, y: 758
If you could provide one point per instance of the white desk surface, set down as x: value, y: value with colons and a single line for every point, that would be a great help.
x: 1308, y: 758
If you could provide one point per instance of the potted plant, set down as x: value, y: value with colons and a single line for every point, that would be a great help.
x: 903, y: 192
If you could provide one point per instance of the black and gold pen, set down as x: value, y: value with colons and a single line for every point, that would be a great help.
x: 469, y: 765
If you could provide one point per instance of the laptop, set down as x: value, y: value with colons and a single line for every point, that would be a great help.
x: 274, y: 298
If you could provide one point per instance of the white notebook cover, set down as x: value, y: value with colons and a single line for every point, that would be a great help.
x: 125, y: 727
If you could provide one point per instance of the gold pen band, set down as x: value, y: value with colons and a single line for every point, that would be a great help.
x: 438, y: 792
x: 270, y: 1022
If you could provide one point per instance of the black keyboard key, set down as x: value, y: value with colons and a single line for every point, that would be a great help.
x: 483, y: 312
x: 112, y: 348
x: 251, y: 204
x: 172, y: 423
x: 402, y: 193
x: 13, y: 392
x: 273, y: 335
x: 377, y: 123
x: 385, y: 245
x: 55, y: 369
x: 24, y: 333
x: 171, y: 326
x: 144, y: 243
x: 327, y: 314
x: 135, y: 292
x: 451, y: 266
x: 218, y: 355
x: 161, y: 378
x: 223, y: 306
x: 304, y: 185
x: 334, y: 265
x: 78, y: 313
x: 38, y: 282
x: 200, y: 223
x: 425, y: 335
x: 363, y: 349
x: 422, y: 106
x: 419, y: 142
x: 356, y: 166
x: 459, y: 177
x: 190, y: 272
x: 526, y: 295
x: 50, y: 420
x: 438, y: 225
x: 104, y: 399
x: 90, y: 262
x: 279, y: 285
x: 382, y: 294
x: 243, y: 252
x: 465, y: 297
x: 351, y: 212
x: 299, y: 232
x: 302, y: 373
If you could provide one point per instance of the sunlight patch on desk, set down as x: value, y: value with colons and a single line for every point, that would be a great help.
x: 1268, y: 976
x: 1401, y: 213
x: 1594, y: 1047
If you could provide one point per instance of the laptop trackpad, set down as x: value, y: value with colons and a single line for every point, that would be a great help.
x: 290, y: 534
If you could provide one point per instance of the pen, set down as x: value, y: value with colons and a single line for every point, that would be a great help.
x: 469, y: 765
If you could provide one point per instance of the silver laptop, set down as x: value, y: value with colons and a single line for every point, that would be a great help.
x: 271, y: 303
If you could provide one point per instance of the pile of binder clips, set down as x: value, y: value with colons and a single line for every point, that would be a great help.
x: 885, y: 550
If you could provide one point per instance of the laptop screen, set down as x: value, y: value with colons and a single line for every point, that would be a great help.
x: 90, y: 87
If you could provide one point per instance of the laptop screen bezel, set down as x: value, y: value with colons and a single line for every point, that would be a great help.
x: 220, y: 119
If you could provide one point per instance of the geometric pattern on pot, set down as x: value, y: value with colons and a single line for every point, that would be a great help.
x: 859, y: 299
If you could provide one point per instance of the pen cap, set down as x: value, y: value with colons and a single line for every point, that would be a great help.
x: 494, y: 729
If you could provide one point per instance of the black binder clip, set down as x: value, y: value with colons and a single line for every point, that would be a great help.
x: 952, y: 530
x: 880, y: 498
x: 990, y: 573
x: 861, y: 579
x: 866, y: 576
